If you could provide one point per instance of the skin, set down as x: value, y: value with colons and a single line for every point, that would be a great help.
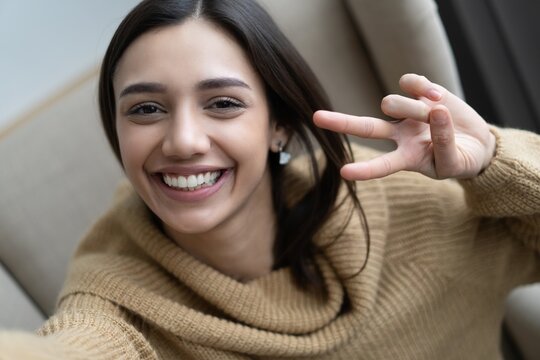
x: 207, y: 110
x: 438, y: 134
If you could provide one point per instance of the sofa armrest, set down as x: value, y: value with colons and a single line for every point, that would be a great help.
x: 523, y: 319
x: 17, y: 310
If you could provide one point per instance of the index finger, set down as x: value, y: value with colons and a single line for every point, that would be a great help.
x: 362, y: 126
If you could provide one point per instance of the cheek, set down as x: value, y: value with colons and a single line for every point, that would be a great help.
x: 246, y: 143
x: 136, y: 144
x: 126, y: 143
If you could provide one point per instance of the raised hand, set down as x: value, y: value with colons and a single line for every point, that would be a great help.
x: 437, y: 134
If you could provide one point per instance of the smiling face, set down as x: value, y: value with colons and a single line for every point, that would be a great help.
x: 194, y: 130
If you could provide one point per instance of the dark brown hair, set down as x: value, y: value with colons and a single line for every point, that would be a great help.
x: 293, y: 94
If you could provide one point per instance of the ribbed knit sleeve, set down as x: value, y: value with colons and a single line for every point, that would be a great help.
x: 16, y: 345
x: 510, y: 186
x: 87, y: 328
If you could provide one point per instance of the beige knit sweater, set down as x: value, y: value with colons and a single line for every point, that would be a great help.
x: 443, y: 257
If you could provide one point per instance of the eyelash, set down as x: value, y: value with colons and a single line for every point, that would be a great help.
x: 145, y: 106
x: 231, y: 103
x: 228, y: 104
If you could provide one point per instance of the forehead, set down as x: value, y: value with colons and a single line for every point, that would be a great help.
x: 185, y: 54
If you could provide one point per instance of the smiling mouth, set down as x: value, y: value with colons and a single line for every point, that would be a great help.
x: 192, y: 182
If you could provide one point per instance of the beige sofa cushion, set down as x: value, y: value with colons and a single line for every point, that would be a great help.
x: 406, y: 36
x: 57, y: 176
x: 323, y: 32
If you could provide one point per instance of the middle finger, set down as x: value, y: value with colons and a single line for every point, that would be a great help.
x: 401, y: 107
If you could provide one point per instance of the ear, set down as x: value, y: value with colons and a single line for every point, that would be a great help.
x: 279, y: 137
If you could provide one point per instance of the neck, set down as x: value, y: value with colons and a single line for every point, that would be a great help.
x: 243, y: 255
x: 242, y: 247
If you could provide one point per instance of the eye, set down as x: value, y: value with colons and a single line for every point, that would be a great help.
x: 145, y: 109
x: 225, y: 105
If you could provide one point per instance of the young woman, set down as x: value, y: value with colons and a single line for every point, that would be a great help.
x: 219, y: 250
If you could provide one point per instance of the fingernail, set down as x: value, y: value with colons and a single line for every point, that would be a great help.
x: 438, y: 117
x: 434, y: 95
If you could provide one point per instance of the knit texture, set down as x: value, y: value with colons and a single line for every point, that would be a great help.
x: 443, y: 257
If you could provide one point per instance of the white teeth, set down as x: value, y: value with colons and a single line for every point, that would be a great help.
x: 182, y: 182
x: 192, y: 182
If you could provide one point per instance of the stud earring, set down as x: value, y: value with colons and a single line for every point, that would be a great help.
x: 284, y: 156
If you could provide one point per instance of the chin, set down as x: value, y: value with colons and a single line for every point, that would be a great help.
x: 189, y: 224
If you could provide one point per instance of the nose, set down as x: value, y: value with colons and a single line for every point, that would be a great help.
x: 186, y: 136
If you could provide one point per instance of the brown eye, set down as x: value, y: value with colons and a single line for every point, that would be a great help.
x: 225, y: 104
x: 145, y: 109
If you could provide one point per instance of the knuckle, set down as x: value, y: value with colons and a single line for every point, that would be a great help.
x: 387, y: 165
x: 442, y: 139
x: 368, y: 127
x: 346, y: 126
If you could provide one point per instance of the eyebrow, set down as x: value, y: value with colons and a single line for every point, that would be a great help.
x: 208, y: 84
x: 144, y: 87
x: 222, y: 82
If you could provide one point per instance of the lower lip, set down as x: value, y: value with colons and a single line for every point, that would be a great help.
x: 195, y: 195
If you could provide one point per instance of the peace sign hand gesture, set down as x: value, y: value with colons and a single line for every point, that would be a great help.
x: 437, y: 134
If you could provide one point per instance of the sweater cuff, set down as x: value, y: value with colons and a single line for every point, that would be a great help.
x: 510, y: 185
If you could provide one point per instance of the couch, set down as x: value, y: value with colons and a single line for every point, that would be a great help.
x: 58, y: 173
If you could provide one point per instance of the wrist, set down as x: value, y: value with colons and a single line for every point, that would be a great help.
x: 491, y: 150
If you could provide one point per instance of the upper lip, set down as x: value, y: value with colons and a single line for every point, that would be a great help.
x: 189, y: 170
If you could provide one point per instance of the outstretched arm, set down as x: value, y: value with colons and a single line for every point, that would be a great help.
x: 437, y: 134
x: 86, y: 327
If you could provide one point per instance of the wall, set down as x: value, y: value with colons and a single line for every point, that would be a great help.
x: 46, y: 44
